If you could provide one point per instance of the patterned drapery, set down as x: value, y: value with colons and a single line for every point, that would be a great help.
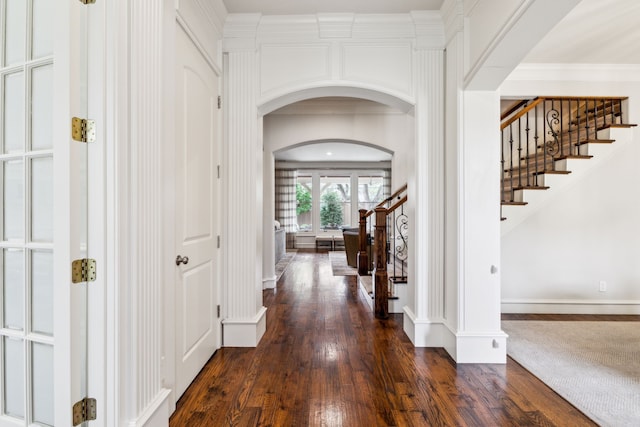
x: 386, y: 183
x: 285, y: 202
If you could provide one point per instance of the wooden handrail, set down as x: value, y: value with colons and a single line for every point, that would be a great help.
x: 397, y: 204
x: 515, y: 107
x: 521, y: 113
x: 388, y: 199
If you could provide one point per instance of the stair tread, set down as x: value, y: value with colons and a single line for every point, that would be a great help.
x: 595, y: 141
x: 619, y: 125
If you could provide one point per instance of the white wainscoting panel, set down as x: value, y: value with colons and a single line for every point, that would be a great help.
x: 282, y: 66
x: 383, y: 65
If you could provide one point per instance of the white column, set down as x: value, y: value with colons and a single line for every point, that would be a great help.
x: 245, y: 320
x: 268, y: 218
x: 138, y: 224
x: 472, y: 303
x: 423, y: 321
x: 479, y: 338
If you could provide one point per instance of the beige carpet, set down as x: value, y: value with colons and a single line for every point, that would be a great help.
x: 593, y: 365
x: 339, y: 264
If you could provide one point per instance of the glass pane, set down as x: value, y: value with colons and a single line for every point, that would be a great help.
x: 370, y: 191
x: 42, y: 199
x: 42, y: 28
x: 41, y: 107
x: 13, y: 200
x: 42, y: 378
x: 14, y: 113
x: 42, y: 292
x: 13, y: 297
x: 15, y: 24
x: 13, y: 377
x: 335, y: 202
x: 304, y: 200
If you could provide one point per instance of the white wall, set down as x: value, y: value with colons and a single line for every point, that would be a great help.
x: 390, y: 130
x: 588, y: 231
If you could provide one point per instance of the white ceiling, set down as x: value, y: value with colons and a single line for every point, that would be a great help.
x: 304, y: 7
x: 332, y: 151
x: 594, y: 32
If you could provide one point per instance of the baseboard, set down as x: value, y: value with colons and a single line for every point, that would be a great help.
x: 269, y: 283
x: 424, y: 332
x: 156, y: 414
x: 488, y: 347
x: 244, y: 332
x: 558, y: 306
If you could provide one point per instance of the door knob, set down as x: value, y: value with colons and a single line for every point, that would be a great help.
x: 182, y: 260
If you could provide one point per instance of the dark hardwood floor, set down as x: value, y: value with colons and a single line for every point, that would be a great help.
x: 325, y: 361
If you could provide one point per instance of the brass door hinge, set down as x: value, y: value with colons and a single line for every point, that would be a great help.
x: 87, y: 1
x: 219, y: 102
x: 83, y: 130
x: 84, y: 410
x: 83, y: 270
x: 218, y: 309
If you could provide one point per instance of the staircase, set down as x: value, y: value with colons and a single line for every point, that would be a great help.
x: 546, y: 138
x: 387, y: 223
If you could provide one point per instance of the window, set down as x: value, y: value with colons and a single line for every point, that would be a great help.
x: 370, y: 191
x: 327, y: 200
x: 335, y: 202
x: 304, y: 200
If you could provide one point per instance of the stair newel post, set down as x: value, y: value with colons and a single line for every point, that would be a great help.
x: 363, y: 256
x: 381, y: 275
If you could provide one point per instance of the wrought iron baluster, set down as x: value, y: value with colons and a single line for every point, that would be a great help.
x: 536, y: 138
x: 401, y: 246
x: 552, y: 147
x: 620, y: 110
x: 578, y: 119
x: 528, y: 142
x: 570, y: 135
x: 511, y: 171
x: 502, y: 183
x: 519, y: 153
x: 586, y: 119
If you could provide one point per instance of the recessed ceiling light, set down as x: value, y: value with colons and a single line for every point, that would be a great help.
x: 329, y: 153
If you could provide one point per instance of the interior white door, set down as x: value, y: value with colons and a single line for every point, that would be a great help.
x: 197, y: 141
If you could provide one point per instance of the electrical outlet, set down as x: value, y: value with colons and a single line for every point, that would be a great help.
x: 603, y: 286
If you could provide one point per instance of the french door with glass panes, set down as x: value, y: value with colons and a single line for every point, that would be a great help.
x: 28, y: 212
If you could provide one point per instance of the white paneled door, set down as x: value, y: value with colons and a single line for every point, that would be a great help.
x: 26, y: 220
x: 197, y: 136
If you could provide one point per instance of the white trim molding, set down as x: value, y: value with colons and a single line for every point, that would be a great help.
x: 156, y: 414
x: 570, y: 306
x: 480, y: 347
x: 425, y: 332
x: 245, y: 332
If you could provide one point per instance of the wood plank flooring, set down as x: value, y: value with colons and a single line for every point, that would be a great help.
x: 325, y: 361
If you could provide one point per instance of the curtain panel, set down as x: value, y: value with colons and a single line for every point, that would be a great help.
x: 286, y: 203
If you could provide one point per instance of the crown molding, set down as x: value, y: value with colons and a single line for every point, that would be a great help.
x: 425, y: 27
x: 452, y: 12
